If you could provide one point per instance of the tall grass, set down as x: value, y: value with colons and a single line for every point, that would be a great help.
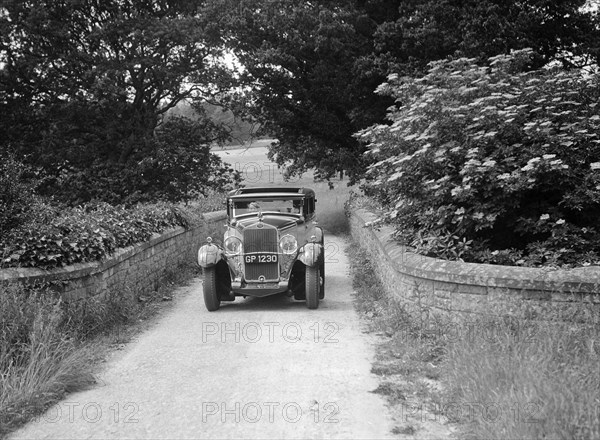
x: 39, y: 361
x: 49, y: 347
x: 330, y: 209
x: 501, y: 377
x: 528, y: 380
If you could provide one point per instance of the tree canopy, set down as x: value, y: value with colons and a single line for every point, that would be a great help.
x: 426, y: 30
x: 298, y: 62
x: 85, y: 83
x: 312, y: 67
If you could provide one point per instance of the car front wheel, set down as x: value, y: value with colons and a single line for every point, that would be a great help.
x: 322, y: 273
x: 211, y: 296
x: 313, y: 281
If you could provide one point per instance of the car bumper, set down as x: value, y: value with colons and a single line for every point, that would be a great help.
x: 259, y: 289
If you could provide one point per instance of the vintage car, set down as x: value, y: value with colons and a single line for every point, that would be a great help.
x: 272, y: 245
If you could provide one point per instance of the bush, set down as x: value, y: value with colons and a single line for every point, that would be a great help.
x: 16, y: 193
x: 88, y: 233
x: 491, y: 163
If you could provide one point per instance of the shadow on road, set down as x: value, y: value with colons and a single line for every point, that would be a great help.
x: 283, y: 303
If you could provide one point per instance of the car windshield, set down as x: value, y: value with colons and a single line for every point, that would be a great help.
x: 267, y: 205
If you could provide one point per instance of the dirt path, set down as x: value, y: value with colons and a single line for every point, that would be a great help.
x: 257, y: 368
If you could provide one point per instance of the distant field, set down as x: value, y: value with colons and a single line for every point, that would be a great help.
x: 254, y: 144
x: 258, y: 170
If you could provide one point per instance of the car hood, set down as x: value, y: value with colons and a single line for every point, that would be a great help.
x: 278, y: 221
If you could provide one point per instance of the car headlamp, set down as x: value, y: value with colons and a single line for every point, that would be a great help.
x: 233, y: 245
x: 288, y: 244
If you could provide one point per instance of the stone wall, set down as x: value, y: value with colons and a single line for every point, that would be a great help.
x: 433, y: 287
x: 134, y: 269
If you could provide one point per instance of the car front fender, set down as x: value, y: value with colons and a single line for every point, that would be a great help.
x: 209, y: 255
x: 310, y: 254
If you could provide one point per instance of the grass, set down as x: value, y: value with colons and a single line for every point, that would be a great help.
x: 330, y: 209
x: 39, y: 362
x: 495, y: 378
x: 212, y: 201
x: 49, y: 348
x: 408, y: 360
x: 253, y: 143
x: 534, y: 379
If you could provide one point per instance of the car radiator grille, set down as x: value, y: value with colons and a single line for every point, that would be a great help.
x: 261, y: 240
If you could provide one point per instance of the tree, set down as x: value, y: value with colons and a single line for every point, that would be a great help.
x: 176, y: 164
x: 298, y: 61
x: 85, y: 83
x: 421, y: 31
x: 312, y: 66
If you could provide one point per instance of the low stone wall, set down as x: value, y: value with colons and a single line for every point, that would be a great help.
x: 432, y: 287
x: 135, y: 269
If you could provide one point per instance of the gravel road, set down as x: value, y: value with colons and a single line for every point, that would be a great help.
x: 257, y: 368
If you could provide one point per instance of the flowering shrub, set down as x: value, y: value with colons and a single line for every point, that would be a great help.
x: 491, y: 163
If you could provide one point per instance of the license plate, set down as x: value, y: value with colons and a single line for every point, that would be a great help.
x: 261, y: 258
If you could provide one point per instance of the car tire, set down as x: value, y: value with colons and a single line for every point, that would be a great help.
x: 322, y: 273
x: 312, y: 287
x: 211, y: 296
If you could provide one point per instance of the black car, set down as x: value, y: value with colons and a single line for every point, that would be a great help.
x: 272, y: 245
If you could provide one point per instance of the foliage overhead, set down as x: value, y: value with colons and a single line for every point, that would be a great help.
x: 84, y: 83
x: 144, y: 55
x: 413, y: 33
x: 298, y: 61
x: 491, y: 163
x: 313, y: 66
